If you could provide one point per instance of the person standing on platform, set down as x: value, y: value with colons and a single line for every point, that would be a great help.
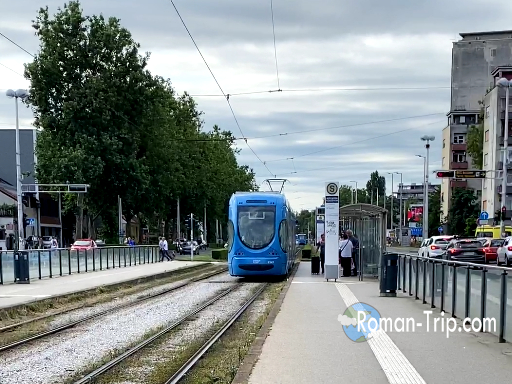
x: 355, y: 250
x: 321, y: 245
x: 346, y: 255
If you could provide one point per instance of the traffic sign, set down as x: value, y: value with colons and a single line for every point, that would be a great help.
x: 483, y: 222
x: 440, y: 229
x: 484, y: 215
x: 464, y: 174
x: 442, y: 174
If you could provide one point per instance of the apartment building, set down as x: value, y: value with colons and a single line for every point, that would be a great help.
x: 474, y: 60
x: 494, y: 131
x: 414, y: 192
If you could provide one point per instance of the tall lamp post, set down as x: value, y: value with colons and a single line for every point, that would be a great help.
x: 353, y: 181
x: 428, y: 139
x: 400, y: 189
x: 19, y: 94
x: 507, y: 84
x: 424, y: 177
x: 392, y: 191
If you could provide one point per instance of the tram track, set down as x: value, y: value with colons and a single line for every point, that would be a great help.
x: 102, y: 313
x: 180, y: 373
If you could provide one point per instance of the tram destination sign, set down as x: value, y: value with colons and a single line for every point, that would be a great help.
x: 463, y: 174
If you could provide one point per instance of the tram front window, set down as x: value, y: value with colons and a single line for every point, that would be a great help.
x: 256, y: 225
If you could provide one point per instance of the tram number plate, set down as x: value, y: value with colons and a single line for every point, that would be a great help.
x: 259, y: 261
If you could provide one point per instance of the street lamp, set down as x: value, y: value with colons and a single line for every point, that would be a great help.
x: 400, y: 188
x: 353, y: 181
x: 428, y: 139
x: 424, y: 177
x: 392, y: 214
x: 507, y: 84
x: 19, y: 94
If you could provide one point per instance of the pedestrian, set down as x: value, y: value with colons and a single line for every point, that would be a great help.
x: 346, y: 255
x: 355, y: 251
x: 165, y: 249
x: 321, y: 245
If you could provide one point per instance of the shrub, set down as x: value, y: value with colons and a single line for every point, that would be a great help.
x: 220, y: 254
x: 215, y: 245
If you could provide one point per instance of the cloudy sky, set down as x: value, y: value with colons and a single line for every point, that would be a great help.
x: 361, y: 80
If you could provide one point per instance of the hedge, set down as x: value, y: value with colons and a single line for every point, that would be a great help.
x: 220, y: 254
x: 215, y: 245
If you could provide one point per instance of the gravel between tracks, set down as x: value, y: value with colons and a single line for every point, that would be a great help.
x: 204, y: 324
x: 52, y: 360
x: 89, y: 311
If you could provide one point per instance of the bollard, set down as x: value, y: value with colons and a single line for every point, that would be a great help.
x: 389, y: 275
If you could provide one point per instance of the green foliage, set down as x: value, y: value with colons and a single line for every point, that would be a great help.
x: 475, y: 144
x: 304, y: 218
x: 463, y: 207
x: 106, y: 121
x: 220, y: 254
x: 376, y: 183
x: 434, y: 212
x: 471, y: 224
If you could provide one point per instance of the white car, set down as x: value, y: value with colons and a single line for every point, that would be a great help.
x: 505, y: 253
x: 434, y: 246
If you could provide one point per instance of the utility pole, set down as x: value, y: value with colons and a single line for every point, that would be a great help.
x: 191, y: 237
x: 400, y: 189
x: 428, y: 139
x: 392, y: 212
x: 204, y: 226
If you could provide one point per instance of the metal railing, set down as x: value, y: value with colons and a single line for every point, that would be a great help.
x: 64, y: 261
x: 465, y: 290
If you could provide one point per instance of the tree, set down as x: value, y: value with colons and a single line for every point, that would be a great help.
x: 434, y: 212
x: 475, y: 142
x: 463, y: 207
x: 347, y: 195
x: 376, y: 183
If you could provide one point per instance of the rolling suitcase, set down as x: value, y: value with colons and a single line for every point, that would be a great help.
x: 315, y: 265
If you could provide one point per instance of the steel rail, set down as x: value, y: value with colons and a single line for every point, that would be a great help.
x: 116, y: 361
x: 185, y: 368
x: 72, y: 324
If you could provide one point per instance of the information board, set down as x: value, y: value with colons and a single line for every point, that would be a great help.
x: 332, y: 222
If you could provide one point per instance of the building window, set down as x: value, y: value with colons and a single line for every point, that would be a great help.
x: 458, y: 139
x: 484, y: 205
x: 442, y: 197
x: 444, y: 143
x: 459, y: 157
x: 443, y: 162
x: 485, y: 159
x: 487, y: 136
x: 487, y: 111
x: 493, y: 52
x: 463, y: 119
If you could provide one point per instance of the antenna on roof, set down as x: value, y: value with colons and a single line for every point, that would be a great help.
x: 270, y: 181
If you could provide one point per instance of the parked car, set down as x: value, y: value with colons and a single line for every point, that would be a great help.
x: 468, y: 250
x: 84, y: 245
x: 504, y: 253
x: 186, y: 249
x: 100, y: 243
x: 434, y: 246
x: 490, y: 247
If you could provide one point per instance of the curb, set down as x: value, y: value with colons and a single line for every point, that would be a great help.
x: 244, y: 372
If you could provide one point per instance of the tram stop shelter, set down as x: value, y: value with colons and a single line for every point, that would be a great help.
x: 368, y: 223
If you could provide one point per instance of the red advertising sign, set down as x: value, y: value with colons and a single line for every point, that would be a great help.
x: 415, y: 213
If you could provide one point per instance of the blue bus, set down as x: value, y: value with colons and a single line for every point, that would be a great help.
x: 261, y: 234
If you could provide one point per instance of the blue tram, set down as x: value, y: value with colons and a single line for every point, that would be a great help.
x: 261, y: 234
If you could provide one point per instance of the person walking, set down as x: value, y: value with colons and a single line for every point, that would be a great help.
x: 346, y: 255
x: 321, y: 245
x: 165, y: 248
x: 355, y: 251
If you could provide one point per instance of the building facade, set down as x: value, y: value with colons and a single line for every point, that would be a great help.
x: 41, y: 209
x: 474, y: 59
x: 494, y: 124
x: 414, y: 192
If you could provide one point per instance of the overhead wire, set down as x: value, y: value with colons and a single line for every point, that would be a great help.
x: 16, y: 44
x: 222, y: 91
x: 12, y: 70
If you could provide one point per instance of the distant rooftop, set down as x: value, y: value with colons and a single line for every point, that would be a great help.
x: 488, y: 33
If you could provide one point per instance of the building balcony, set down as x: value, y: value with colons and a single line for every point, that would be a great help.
x: 459, y: 147
x: 458, y: 183
x: 461, y: 165
x: 500, y: 165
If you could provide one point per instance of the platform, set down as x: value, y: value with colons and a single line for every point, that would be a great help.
x: 15, y: 294
x: 307, y: 343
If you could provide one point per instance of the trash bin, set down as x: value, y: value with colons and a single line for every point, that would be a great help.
x: 315, y: 265
x: 21, y: 268
x: 306, y: 253
x: 389, y: 274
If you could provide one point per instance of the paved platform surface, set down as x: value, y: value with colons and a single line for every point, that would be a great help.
x: 14, y: 294
x: 307, y: 343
